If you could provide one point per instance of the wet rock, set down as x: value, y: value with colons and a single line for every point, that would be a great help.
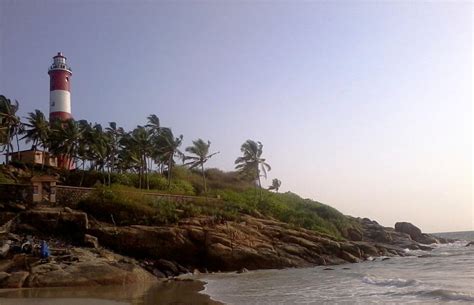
x: 349, y: 257
x: 158, y: 273
x: 15, y: 280
x: 470, y: 244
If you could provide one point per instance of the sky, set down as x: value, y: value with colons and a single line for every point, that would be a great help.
x: 365, y: 106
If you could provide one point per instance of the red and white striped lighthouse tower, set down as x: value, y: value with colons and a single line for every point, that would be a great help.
x: 59, y: 89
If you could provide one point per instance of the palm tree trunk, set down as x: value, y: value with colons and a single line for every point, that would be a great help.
x: 259, y: 183
x: 7, y: 156
x: 18, y: 146
x: 82, y: 174
x: 204, y: 178
x: 169, y: 171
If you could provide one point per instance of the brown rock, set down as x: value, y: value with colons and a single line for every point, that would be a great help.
x: 15, y: 280
x: 91, y: 241
x: 349, y: 257
x: 415, y: 233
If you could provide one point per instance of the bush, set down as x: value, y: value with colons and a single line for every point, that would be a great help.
x: 290, y: 208
x: 123, y: 207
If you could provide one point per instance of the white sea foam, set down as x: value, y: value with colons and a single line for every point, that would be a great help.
x: 396, y: 282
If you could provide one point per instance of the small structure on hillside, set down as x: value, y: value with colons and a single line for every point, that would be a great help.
x: 35, y: 157
x: 44, y: 188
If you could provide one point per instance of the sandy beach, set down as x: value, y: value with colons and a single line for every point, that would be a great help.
x: 174, y: 292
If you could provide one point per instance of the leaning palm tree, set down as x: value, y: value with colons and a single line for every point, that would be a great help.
x: 276, y: 183
x: 200, y: 150
x: 139, y: 144
x: 252, y: 163
x: 167, y: 147
x: 153, y: 124
x: 10, y: 124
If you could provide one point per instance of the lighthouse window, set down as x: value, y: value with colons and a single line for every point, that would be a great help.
x: 67, y: 79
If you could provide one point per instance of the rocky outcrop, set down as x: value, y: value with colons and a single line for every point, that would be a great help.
x: 252, y: 243
x: 55, y: 221
x: 198, y: 244
x: 77, y: 267
x: 405, y: 235
x: 415, y: 233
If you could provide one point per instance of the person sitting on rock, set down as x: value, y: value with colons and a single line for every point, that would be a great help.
x: 44, y: 250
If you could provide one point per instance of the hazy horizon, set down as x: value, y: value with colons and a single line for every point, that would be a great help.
x: 363, y: 106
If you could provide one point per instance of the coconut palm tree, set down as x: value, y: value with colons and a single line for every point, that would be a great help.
x: 200, y: 150
x: 10, y: 124
x: 114, y: 133
x: 167, y: 147
x: 64, y: 140
x: 37, y: 129
x: 276, y: 183
x: 252, y: 163
x: 139, y: 145
x: 153, y: 124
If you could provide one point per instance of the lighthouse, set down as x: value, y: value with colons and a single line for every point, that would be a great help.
x: 59, y: 89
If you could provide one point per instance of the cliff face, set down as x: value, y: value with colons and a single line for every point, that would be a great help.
x: 201, y: 243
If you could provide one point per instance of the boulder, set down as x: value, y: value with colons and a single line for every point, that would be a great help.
x: 415, y: 233
x: 408, y: 228
x: 85, y: 268
x: 56, y: 221
x: 15, y: 280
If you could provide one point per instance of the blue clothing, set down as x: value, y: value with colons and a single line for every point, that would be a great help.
x: 44, y: 251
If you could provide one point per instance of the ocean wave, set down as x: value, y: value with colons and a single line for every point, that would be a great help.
x: 450, y: 295
x: 397, y: 282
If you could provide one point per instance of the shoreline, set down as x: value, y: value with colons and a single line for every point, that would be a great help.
x: 163, y: 293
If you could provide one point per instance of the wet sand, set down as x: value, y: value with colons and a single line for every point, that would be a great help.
x: 166, y: 293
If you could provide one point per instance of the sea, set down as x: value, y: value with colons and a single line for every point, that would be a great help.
x: 443, y: 275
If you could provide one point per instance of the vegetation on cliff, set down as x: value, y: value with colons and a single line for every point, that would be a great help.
x: 147, y: 158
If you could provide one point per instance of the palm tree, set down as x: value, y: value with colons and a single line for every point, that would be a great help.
x: 200, y: 150
x: 168, y: 146
x: 139, y: 145
x: 153, y: 124
x: 114, y: 133
x: 37, y: 131
x: 276, y: 183
x: 252, y: 163
x: 65, y: 138
x: 10, y: 124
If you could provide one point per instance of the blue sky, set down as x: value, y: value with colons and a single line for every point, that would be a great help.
x: 366, y: 106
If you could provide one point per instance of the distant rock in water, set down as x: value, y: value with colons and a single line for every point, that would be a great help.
x: 415, y: 233
x: 470, y: 244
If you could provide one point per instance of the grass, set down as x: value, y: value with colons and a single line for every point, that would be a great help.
x: 126, y: 205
